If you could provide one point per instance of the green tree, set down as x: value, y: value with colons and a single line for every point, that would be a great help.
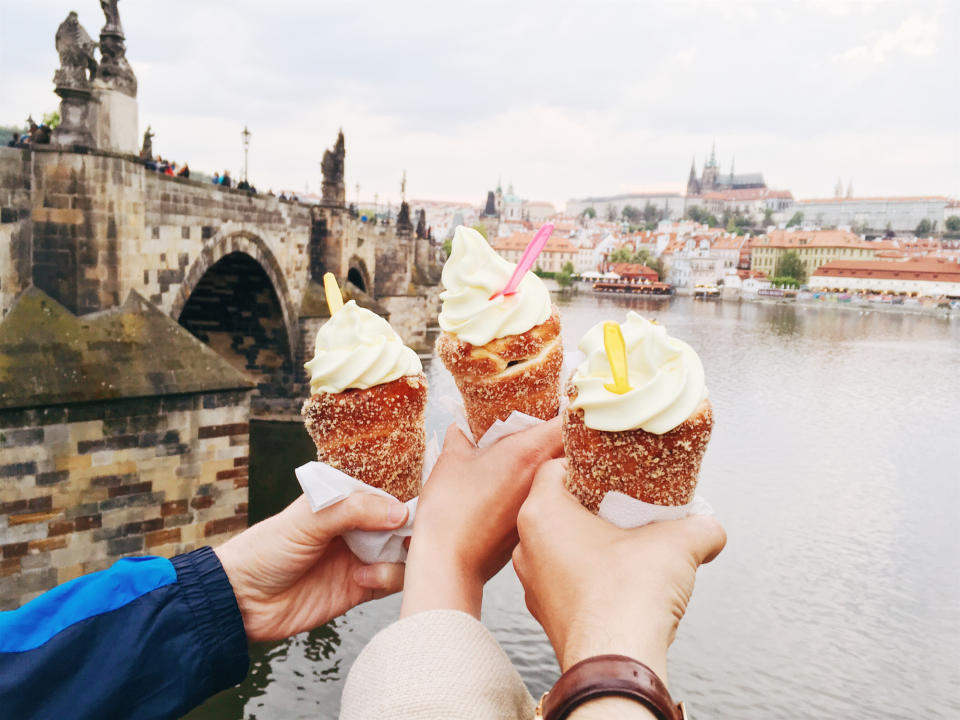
x: 51, y: 119
x: 448, y: 246
x: 611, y: 213
x: 620, y: 255
x: 785, y: 281
x: 924, y: 227
x: 767, y: 217
x: 651, y: 213
x: 631, y: 214
x: 565, y: 276
x: 953, y: 223
x: 795, y: 220
x: 790, y: 265
x: 482, y: 230
x: 731, y: 225
x: 590, y: 213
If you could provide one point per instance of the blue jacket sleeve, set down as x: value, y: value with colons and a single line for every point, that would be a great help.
x: 146, y: 638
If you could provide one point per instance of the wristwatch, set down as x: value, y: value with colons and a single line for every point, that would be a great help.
x: 605, y: 675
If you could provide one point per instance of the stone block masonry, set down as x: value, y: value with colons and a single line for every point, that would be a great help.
x: 120, y: 434
x: 83, y: 485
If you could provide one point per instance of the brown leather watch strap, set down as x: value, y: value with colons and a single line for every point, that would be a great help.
x: 605, y: 675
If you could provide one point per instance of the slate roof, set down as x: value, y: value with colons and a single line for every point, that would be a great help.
x: 49, y: 356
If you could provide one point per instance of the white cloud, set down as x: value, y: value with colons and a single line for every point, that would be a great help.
x: 916, y: 36
x: 566, y: 101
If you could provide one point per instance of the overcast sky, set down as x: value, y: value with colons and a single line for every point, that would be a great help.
x: 564, y: 99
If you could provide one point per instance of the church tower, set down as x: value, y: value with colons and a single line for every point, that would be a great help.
x: 693, y: 185
x: 710, y: 172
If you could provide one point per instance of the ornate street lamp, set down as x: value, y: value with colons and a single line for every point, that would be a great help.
x: 245, y: 135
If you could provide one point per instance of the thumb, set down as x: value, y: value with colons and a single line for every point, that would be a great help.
x: 550, y: 502
x: 359, y: 511
x: 704, y: 536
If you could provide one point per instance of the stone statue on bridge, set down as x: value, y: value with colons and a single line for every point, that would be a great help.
x: 115, y: 70
x: 146, y: 152
x: 112, y: 14
x: 76, y: 50
x: 334, y: 189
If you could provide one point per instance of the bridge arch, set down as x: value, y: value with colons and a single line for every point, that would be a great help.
x: 358, y: 274
x: 236, y: 299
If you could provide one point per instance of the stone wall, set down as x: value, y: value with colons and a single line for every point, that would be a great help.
x: 83, y: 485
x: 16, y: 226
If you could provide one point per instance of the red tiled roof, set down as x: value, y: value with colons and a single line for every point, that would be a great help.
x: 935, y: 269
x: 820, y: 238
x: 520, y: 240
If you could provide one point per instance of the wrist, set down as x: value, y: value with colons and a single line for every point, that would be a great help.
x: 437, y: 580
x: 651, y: 653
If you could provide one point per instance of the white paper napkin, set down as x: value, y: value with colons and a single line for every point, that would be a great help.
x: 325, y: 486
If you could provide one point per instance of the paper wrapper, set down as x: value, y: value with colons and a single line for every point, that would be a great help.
x: 325, y: 486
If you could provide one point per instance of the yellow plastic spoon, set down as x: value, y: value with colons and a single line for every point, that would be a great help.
x: 617, y: 357
x: 332, y: 290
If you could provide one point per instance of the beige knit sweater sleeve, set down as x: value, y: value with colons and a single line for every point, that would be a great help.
x: 436, y: 665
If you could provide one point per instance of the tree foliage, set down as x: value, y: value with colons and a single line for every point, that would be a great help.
x: 448, y: 246
x: 784, y: 282
x: 482, y: 229
x: 612, y: 213
x: 924, y: 227
x: 790, y: 265
x: 795, y: 220
x: 953, y: 223
x: 590, y: 213
x: 565, y: 276
x: 699, y: 215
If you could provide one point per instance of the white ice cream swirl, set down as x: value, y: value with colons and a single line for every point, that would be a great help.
x: 665, y: 374
x: 357, y: 348
x: 471, y: 275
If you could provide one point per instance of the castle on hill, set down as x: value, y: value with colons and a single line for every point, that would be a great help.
x: 713, y: 180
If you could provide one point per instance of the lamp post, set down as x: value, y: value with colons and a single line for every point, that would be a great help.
x: 245, y: 136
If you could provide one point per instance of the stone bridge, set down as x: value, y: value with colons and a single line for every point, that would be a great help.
x: 241, y: 272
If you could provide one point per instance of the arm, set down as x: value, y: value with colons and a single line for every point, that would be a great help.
x: 597, y: 589
x: 438, y: 661
x: 148, y: 637
x: 152, y: 638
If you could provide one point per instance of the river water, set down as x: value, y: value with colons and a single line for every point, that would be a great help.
x: 835, y: 466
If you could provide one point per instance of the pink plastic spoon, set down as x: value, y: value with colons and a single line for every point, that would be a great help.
x: 527, y: 260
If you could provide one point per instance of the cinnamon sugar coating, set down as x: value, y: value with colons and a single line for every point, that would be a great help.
x: 657, y: 469
x: 517, y: 372
x: 375, y: 435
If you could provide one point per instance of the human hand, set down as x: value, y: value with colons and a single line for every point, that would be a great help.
x: 597, y: 589
x: 293, y: 571
x: 466, y: 525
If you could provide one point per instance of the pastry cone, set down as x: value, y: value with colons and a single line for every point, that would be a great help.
x: 516, y: 372
x: 657, y: 469
x: 375, y: 435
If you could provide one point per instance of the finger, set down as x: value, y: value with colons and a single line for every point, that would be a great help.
x: 534, y: 445
x: 456, y: 442
x: 359, y: 511
x: 704, y: 536
x: 384, y: 578
x: 549, y: 506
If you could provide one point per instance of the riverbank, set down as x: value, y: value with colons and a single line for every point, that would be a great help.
x: 909, y: 306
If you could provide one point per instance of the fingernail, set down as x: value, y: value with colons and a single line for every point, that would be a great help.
x: 397, y: 513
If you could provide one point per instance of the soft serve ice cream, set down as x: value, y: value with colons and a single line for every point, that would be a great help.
x: 648, y: 441
x: 368, y: 396
x: 665, y: 374
x: 504, y: 353
x: 473, y: 273
x: 357, y: 348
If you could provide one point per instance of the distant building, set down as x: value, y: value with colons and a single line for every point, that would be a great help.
x: 558, y: 251
x: 875, y: 213
x: 815, y: 248
x: 929, y: 277
x: 669, y: 204
x: 712, y: 179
